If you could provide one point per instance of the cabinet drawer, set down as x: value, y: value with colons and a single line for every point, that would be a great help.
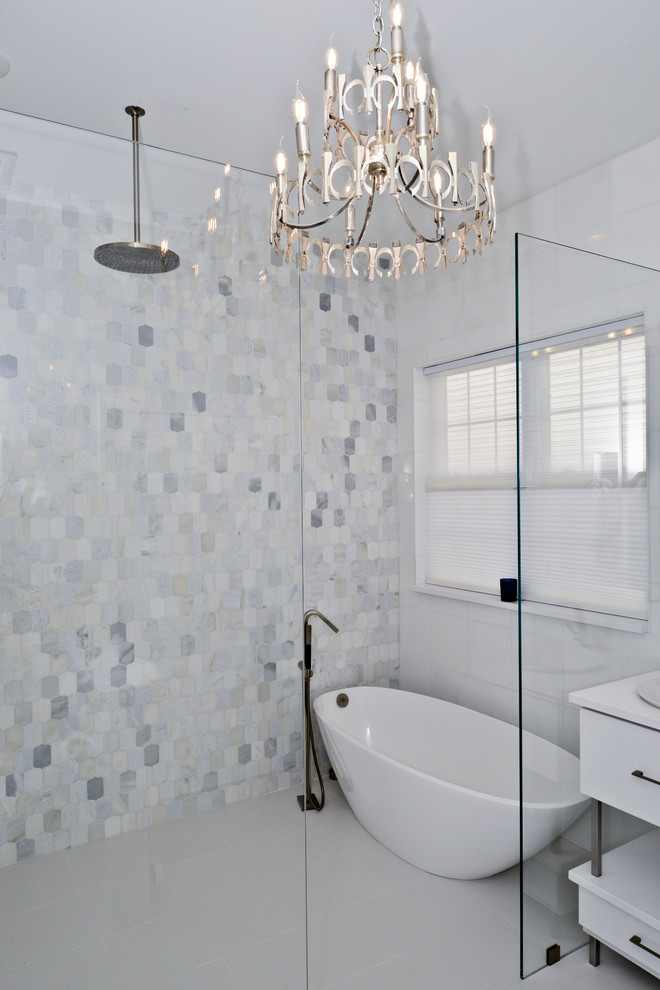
x: 610, y: 751
x: 616, y: 927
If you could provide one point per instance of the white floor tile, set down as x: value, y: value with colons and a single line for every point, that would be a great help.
x: 277, y: 964
x: 335, y: 884
x: 174, y: 945
x: 130, y: 903
x: 293, y: 891
x: 77, y: 969
x: 37, y: 881
x: 437, y: 904
x: 184, y: 839
x: 410, y: 969
x: 479, y: 956
x: 43, y: 931
x: 214, y: 976
x: 268, y: 816
x: 109, y: 860
x: 217, y: 902
x: 338, y: 834
x: 209, y: 877
x: 85, y: 917
x: 547, y: 927
x: 352, y: 940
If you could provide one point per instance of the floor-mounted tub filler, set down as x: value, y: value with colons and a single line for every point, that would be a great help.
x: 438, y: 784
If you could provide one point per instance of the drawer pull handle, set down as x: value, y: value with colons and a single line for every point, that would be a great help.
x: 636, y: 940
x: 638, y: 773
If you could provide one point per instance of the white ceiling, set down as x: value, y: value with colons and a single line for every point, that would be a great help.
x: 570, y: 83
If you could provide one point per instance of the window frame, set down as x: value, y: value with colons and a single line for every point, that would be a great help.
x: 422, y: 460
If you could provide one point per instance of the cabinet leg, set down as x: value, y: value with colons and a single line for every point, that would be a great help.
x: 594, y: 951
x: 596, y: 838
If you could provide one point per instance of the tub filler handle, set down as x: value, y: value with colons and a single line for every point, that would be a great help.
x: 309, y: 614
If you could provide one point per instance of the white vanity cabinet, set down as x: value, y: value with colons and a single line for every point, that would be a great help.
x: 619, y: 895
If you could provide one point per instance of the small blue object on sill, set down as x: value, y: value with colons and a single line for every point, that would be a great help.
x: 509, y: 589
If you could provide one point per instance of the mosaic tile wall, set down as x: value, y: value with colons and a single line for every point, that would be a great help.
x: 351, y: 548
x: 150, y: 523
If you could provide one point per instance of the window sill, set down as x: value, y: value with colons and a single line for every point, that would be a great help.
x: 625, y: 623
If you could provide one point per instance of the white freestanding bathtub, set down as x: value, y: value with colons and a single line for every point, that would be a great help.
x: 439, y: 784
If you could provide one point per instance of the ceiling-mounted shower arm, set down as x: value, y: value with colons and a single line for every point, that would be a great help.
x: 135, y: 113
x: 133, y: 256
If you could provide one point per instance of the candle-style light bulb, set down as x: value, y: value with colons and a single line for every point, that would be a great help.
x: 280, y: 163
x: 422, y: 88
x: 488, y: 134
x: 436, y: 182
x: 422, y: 116
x: 409, y: 71
x: 488, y: 139
x: 350, y: 224
x: 397, y: 33
x: 330, y: 78
x: 300, y: 110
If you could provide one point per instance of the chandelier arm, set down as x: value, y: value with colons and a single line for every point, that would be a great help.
x: 408, y: 185
x: 312, y: 185
x: 347, y: 127
x: 367, y: 215
x: 445, y: 208
x: 317, y: 223
x: 390, y: 110
x: 492, y: 210
x: 423, y: 237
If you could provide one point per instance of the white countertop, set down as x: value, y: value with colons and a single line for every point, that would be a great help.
x: 620, y: 699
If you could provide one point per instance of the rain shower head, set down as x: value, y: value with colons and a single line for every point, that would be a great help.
x: 134, y: 256
x: 137, y: 258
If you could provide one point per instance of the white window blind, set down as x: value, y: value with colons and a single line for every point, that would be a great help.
x: 471, y: 482
x: 584, y: 514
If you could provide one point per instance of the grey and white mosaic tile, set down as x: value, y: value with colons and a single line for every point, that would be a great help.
x: 350, y: 502
x: 150, y: 516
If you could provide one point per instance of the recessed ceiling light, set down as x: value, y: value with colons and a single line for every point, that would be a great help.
x: 4, y: 66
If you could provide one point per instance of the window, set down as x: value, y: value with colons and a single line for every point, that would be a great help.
x: 583, y: 500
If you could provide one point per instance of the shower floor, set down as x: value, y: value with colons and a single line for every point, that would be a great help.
x: 217, y: 902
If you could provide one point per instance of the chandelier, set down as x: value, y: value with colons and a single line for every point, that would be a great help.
x: 397, y: 158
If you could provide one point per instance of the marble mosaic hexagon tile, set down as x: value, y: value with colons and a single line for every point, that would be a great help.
x: 350, y: 490
x: 150, y: 523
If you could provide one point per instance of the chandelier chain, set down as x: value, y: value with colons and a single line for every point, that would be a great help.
x: 378, y: 22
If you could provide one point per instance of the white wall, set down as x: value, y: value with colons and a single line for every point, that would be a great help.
x: 467, y: 651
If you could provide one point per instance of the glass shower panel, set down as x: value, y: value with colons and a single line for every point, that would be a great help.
x: 151, y: 718
x: 588, y: 334
x: 351, y: 575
